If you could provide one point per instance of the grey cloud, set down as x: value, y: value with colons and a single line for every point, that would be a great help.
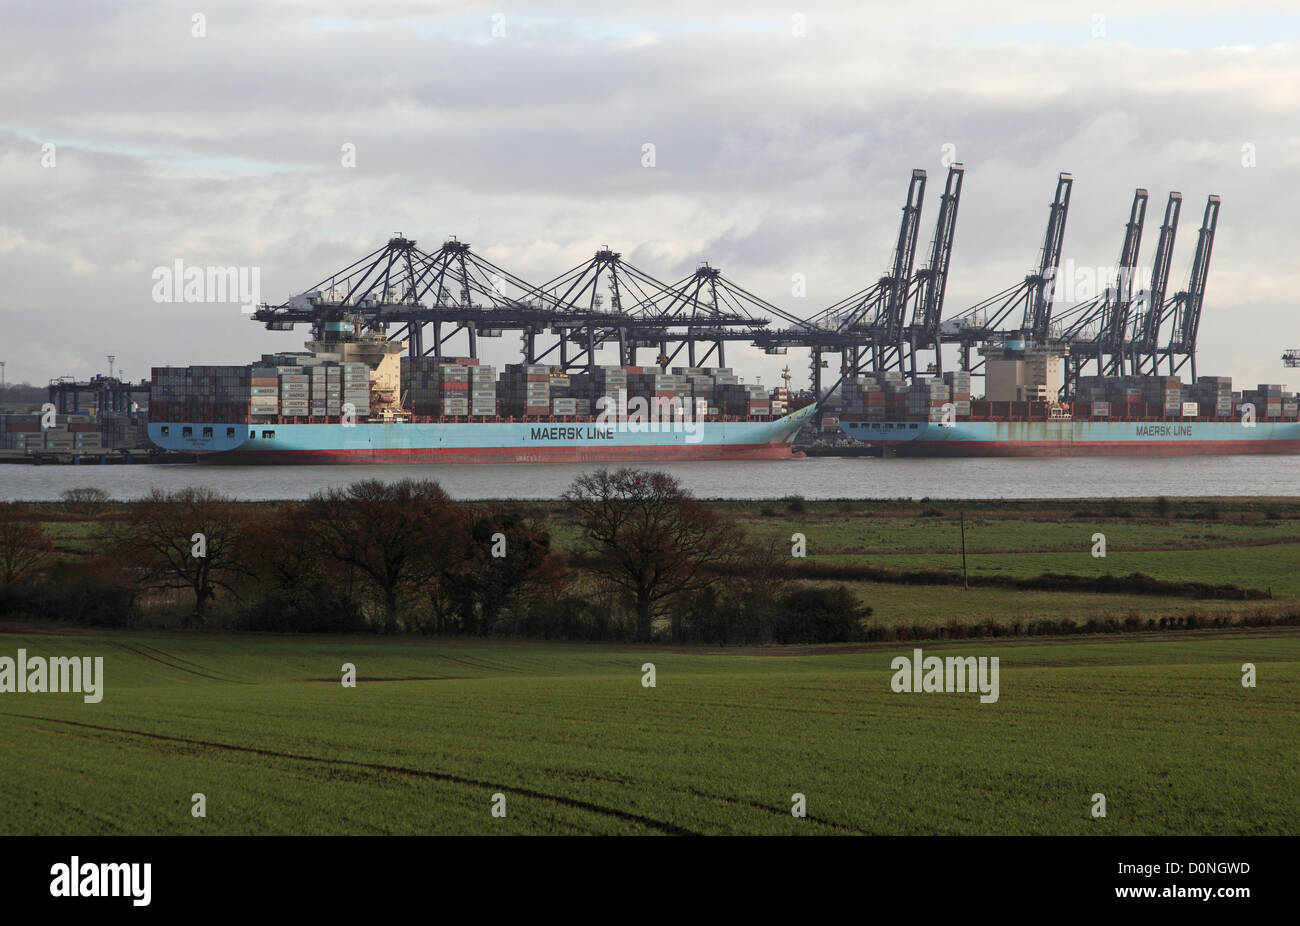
x: 774, y: 157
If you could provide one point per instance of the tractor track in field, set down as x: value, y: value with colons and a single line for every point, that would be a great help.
x: 143, y: 651
x: 167, y: 655
x: 1219, y: 634
x: 481, y: 664
x: 780, y: 812
x: 670, y: 829
x: 404, y: 678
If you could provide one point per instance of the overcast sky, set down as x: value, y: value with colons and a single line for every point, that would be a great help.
x: 776, y: 153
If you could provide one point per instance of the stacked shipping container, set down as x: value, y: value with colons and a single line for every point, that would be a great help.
x: 1213, y: 395
x: 1210, y: 397
x: 525, y: 390
x: 200, y: 393
x: 260, y: 393
x: 1271, y: 400
x: 69, y: 433
x: 450, y: 387
x: 958, y: 383
x: 320, y: 386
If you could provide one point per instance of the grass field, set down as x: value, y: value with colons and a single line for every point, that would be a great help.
x: 1158, y: 723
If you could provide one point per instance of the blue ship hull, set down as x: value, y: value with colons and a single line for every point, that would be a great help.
x: 1083, y: 437
x: 480, y: 442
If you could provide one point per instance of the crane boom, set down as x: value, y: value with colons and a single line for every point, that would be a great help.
x: 933, y: 277
x: 1038, y: 310
x: 1118, y: 307
x: 1194, y: 297
x: 900, y: 280
x: 1147, y: 327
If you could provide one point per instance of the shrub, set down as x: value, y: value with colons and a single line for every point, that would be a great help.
x: 569, y: 618
x: 315, y: 607
x: 87, y: 592
x: 819, y: 615
x: 85, y: 497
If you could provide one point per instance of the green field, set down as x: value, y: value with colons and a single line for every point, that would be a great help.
x: 1159, y: 723
x: 1238, y: 546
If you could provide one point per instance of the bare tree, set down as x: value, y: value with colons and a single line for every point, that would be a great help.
x: 506, y: 556
x: 279, y: 546
x: 24, y: 548
x: 85, y: 499
x: 650, y: 537
x: 396, y: 534
x: 189, y: 538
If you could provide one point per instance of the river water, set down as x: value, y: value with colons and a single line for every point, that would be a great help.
x: 815, y: 477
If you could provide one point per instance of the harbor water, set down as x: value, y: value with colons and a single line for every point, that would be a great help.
x: 813, y: 478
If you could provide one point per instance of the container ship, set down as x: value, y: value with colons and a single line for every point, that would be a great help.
x: 1106, y: 416
x: 1072, y: 437
x: 357, y: 398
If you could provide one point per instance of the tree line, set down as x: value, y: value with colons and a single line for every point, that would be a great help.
x: 644, y: 561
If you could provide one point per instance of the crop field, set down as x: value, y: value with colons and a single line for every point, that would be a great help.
x: 1221, y: 543
x: 564, y: 738
x: 575, y: 743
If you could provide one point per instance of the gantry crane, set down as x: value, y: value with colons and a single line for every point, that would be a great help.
x: 429, y: 298
x: 1097, y: 329
x: 932, y: 279
x: 1186, y: 305
x: 1033, y: 295
x: 1144, y: 341
x: 869, y: 326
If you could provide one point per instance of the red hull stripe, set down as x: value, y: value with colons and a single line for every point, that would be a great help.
x: 508, y: 454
